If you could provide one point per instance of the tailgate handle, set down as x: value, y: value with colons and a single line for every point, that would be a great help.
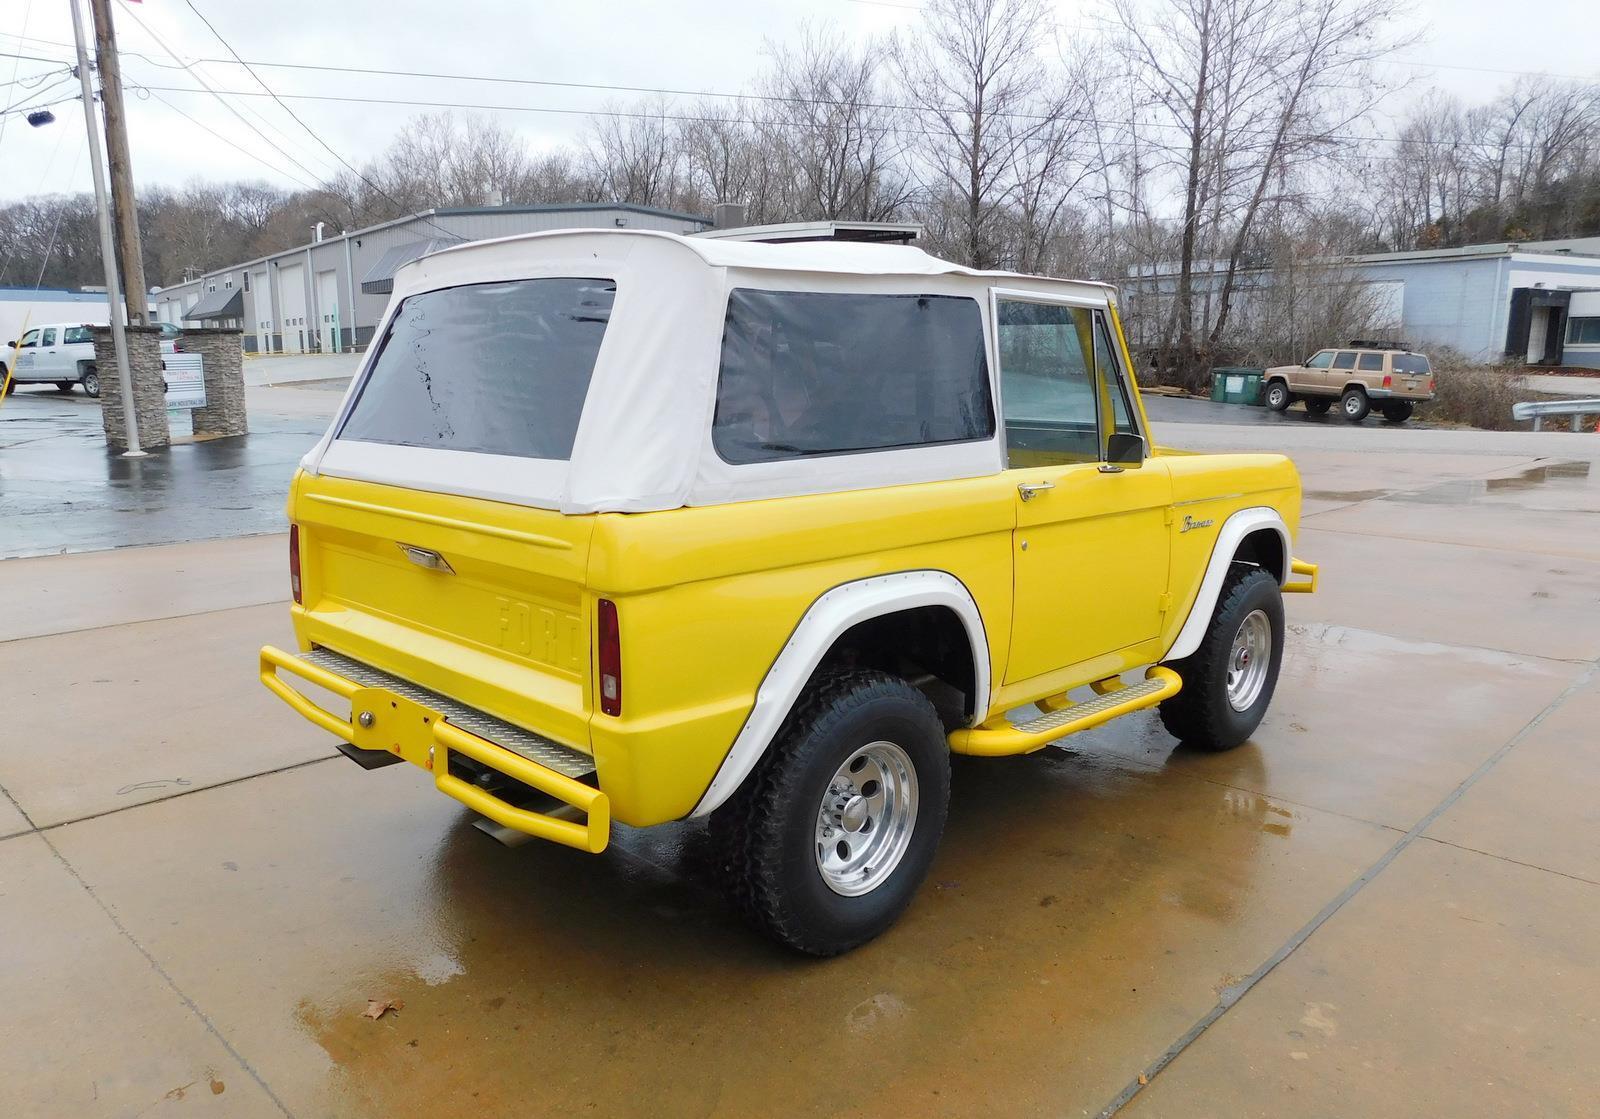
x: 427, y: 557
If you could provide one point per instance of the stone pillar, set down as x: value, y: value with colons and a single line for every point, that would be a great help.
x: 222, y: 353
x: 149, y: 390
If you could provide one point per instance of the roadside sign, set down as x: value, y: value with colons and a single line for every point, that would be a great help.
x: 186, y: 381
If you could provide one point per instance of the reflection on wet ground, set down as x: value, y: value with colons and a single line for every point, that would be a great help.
x: 1572, y: 482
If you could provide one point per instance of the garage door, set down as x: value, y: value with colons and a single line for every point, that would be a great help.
x: 292, y: 308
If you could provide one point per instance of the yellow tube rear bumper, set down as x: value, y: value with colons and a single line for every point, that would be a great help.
x: 411, y: 730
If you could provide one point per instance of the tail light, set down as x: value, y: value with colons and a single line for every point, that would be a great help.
x: 1433, y: 384
x: 294, y: 562
x: 609, y: 657
x: 1388, y: 381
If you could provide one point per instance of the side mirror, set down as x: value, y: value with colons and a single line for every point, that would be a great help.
x: 1125, y: 449
x: 11, y: 345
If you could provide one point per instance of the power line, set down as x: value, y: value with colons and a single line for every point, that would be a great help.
x: 207, y: 128
x: 265, y: 138
x: 309, y: 130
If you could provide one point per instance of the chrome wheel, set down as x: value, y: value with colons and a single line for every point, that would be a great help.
x: 866, y: 818
x: 1249, y: 660
x: 1352, y: 405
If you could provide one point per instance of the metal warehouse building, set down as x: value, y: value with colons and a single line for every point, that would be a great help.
x: 1536, y: 303
x: 328, y: 295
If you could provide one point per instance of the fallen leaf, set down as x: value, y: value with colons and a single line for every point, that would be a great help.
x: 1143, y: 1079
x: 377, y: 1008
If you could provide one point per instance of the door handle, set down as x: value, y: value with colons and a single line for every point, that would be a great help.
x: 1031, y: 490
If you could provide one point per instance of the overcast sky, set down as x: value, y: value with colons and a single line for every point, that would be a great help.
x: 1470, y: 47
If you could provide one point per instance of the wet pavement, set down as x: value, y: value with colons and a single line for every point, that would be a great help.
x: 1383, y: 904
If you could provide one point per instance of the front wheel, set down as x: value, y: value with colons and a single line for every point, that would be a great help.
x: 1355, y: 405
x: 90, y: 382
x: 1277, y: 398
x: 1228, y: 681
x: 1398, y: 411
x: 825, y: 844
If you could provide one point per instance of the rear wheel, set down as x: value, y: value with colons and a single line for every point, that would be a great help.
x: 1318, y: 405
x: 1277, y: 398
x: 1228, y: 681
x: 827, y: 841
x: 1355, y: 405
x: 1398, y: 411
x: 90, y: 382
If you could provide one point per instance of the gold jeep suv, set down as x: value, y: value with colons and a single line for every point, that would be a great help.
x: 1362, y: 376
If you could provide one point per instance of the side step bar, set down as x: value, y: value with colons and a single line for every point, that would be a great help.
x: 1001, y: 737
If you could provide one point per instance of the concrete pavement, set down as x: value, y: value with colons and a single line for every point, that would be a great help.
x: 1384, y: 904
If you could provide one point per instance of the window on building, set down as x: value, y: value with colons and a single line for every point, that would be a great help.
x: 1371, y: 363
x: 498, y: 368
x: 1345, y: 360
x: 1583, y: 331
x: 244, y: 281
x: 227, y: 281
x: 821, y: 373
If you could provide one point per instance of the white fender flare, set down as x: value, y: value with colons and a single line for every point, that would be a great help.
x: 1233, y: 530
x: 824, y: 622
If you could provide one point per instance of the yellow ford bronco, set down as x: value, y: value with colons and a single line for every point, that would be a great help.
x: 626, y: 526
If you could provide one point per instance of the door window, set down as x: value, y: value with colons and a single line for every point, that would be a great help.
x: 1047, y: 384
x: 30, y: 339
x: 48, y: 338
x: 1371, y: 363
x: 1111, y: 377
x: 1320, y: 360
x: 1345, y: 360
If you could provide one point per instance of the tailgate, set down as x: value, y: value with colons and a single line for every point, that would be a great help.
x: 478, y: 600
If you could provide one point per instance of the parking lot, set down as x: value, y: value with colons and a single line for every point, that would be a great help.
x: 1383, y: 904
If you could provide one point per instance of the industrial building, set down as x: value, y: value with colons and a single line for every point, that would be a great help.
x: 328, y: 295
x: 1535, y: 303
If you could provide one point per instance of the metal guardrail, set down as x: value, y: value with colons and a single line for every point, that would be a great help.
x: 1538, y: 410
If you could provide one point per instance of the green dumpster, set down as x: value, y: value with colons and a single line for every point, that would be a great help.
x: 1236, y: 384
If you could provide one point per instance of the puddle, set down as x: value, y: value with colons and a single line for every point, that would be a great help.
x: 1561, y: 475
x: 1345, y: 495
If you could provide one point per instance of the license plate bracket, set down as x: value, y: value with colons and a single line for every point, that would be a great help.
x: 385, y: 720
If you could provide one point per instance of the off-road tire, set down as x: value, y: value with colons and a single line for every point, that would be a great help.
x: 1277, y: 397
x: 1200, y: 715
x: 1354, y: 405
x: 90, y: 382
x: 765, y: 835
x: 1318, y: 405
x: 1398, y: 411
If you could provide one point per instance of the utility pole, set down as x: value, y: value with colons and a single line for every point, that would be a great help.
x: 126, y: 226
x: 107, y: 249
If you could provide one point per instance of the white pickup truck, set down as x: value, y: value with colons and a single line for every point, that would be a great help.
x: 63, y: 354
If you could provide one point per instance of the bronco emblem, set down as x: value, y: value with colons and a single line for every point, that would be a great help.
x: 1190, y: 522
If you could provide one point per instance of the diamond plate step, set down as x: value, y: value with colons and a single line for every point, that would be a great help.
x: 534, y: 747
x: 1059, y: 720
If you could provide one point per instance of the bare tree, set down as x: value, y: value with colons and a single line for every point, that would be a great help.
x: 1250, y: 90
x: 634, y: 156
x: 987, y: 107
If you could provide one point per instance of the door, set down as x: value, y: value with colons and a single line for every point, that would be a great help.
x: 263, y: 309
x: 292, y: 307
x: 27, y: 357
x: 1340, y: 373
x: 1311, y: 374
x: 328, y: 309
x: 50, y: 362
x: 1092, y: 545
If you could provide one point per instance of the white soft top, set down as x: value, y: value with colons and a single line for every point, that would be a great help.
x: 644, y: 441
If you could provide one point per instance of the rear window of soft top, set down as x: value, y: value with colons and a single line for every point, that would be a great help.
x: 500, y: 368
